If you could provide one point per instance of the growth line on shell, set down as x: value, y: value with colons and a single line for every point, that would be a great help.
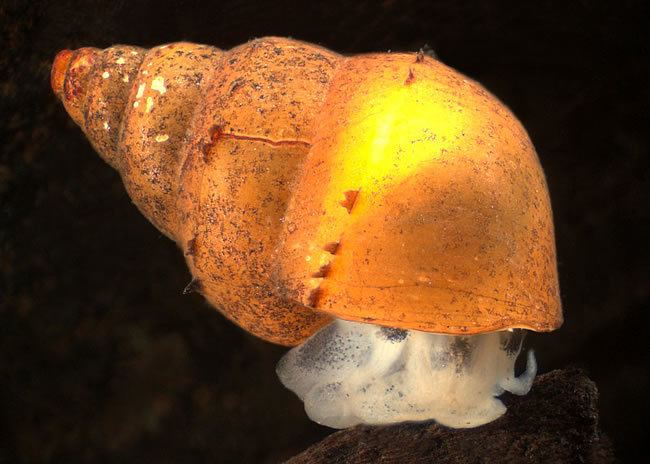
x: 217, y: 133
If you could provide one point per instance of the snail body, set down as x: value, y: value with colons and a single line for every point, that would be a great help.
x: 303, y: 186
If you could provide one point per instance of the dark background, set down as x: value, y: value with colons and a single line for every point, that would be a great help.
x: 102, y: 359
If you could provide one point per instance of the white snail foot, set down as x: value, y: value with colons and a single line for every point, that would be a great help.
x: 351, y: 373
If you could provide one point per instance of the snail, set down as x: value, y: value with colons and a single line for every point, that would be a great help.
x: 381, y: 213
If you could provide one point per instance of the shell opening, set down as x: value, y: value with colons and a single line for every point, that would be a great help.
x: 351, y: 373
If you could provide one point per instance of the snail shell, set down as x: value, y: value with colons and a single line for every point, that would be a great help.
x: 301, y: 184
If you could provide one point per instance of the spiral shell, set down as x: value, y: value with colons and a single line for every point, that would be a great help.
x: 300, y: 184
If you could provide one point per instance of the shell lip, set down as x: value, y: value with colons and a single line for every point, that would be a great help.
x: 457, y: 330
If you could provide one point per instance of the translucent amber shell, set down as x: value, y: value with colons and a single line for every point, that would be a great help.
x: 300, y: 184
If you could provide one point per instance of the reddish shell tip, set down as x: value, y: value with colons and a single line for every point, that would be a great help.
x: 59, y: 68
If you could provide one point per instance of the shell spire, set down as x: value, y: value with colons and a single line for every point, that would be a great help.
x: 135, y: 106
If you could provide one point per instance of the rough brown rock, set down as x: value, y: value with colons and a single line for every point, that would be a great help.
x: 556, y: 422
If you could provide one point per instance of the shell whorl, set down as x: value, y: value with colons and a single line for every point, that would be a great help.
x: 135, y: 106
x: 94, y: 86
